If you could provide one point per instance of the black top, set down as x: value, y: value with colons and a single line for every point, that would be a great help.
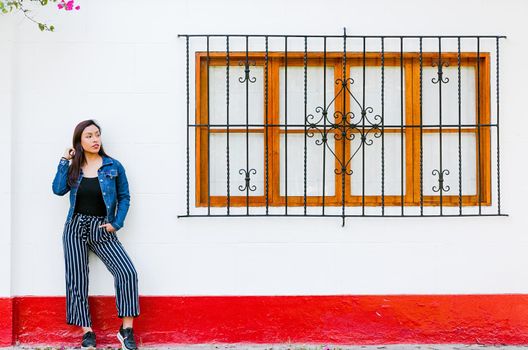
x: 89, y: 198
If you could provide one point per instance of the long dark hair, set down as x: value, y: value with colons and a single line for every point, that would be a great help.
x: 79, y: 158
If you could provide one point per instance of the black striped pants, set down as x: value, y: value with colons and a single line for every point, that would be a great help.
x: 83, y: 233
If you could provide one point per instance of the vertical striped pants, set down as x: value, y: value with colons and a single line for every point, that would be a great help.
x: 83, y: 233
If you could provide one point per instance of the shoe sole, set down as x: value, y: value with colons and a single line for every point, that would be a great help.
x: 88, y: 348
x: 122, y: 341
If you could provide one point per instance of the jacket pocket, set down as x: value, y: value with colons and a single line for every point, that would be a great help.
x: 110, y: 174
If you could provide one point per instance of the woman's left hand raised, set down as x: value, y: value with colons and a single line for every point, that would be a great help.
x: 108, y: 227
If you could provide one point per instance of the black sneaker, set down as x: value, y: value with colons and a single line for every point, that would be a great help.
x: 88, y: 341
x: 126, y: 337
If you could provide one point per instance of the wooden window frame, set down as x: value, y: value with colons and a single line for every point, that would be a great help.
x: 411, y: 63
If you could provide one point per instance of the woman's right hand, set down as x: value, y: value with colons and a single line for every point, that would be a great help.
x: 69, y: 153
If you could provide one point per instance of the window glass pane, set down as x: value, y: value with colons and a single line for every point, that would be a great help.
x: 392, y: 94
x: 393, y: 164
x: 237, y: 95
x: 431, y: 161
x: 315, y: 93
x: 430, y: 93
x: 237, y: 161
x: 314, y: 166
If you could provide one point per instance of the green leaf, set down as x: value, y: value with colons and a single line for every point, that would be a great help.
x: 43, y: 2
x: 52, y: 28
x: 41, y: 26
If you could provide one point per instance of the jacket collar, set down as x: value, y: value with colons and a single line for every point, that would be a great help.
x: 107, y: 161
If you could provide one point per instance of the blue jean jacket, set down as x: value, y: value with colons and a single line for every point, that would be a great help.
x: 114, y: 186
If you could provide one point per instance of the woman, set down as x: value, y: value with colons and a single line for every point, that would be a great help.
x: 99, y: 201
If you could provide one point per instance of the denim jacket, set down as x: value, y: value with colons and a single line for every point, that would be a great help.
x: 114, y: 187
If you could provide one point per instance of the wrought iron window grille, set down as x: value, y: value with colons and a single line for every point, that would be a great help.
x: 344, y: 124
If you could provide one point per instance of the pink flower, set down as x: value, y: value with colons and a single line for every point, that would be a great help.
x: 68, y: 6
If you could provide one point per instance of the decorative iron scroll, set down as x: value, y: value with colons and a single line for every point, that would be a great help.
x: 344, y: 126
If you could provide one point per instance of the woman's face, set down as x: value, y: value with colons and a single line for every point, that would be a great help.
x: 91, y: 139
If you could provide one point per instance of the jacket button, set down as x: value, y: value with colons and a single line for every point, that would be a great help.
x: 104, y: 193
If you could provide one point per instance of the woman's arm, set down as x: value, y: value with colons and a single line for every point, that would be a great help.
x: 60, y: 182
x: 123, y: 197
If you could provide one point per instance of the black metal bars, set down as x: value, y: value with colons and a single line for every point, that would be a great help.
x: 497, y: 89
x: 459, y: 95
x: 343, y: 133
x: 228, y: 165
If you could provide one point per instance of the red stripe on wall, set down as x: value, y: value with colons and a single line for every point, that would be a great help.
x: 469, y: 319
x: 6, y: 322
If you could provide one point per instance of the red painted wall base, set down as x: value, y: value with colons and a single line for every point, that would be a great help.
x: 6, y: 322
x: 484, y: 319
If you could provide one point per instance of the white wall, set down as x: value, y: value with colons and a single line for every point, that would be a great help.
x: 122, y: 63
x: 6, y: 50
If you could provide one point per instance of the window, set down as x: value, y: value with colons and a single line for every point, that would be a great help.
x: 285, y: 130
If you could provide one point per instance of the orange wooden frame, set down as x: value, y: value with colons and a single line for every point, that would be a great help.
x: 484, y: 172
x: 334, y: 61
